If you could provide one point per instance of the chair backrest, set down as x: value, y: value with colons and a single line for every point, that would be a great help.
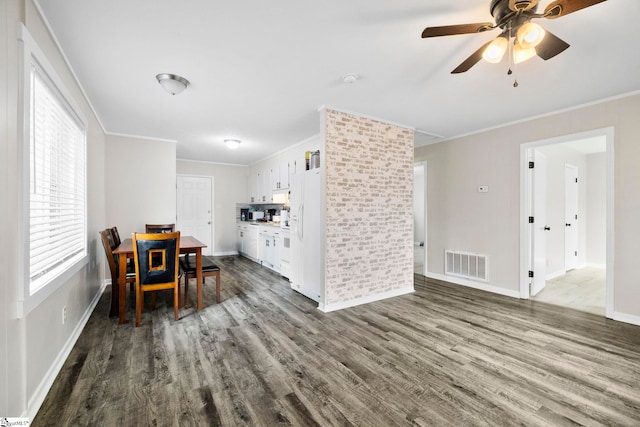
x: 160, y: 228
x: 156, y: 257
x: 116, y: 235
x: 109, y: 246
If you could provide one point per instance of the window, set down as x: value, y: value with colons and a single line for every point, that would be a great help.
x: 54, y: 213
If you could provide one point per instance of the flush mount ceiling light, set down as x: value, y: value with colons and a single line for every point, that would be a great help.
x: 172, y: 83
x: 232, y: 143
x: 350, y: 78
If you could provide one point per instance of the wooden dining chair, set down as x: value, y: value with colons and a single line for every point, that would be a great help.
x: 109, y: 245
x: 160, y: 228
x: 156, y: 265
x: 116, y: 235
x: 209, y: 268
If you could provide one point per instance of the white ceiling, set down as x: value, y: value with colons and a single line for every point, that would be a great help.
x: 259, y: 70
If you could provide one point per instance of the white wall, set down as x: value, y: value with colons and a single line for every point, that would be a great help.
x: 32, y: 349
x: 230, y: 187
x: 461, y: 218
x: 141, y: 188
x: 596, y: 253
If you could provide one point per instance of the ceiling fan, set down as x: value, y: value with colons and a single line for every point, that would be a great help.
x: 514, y: 18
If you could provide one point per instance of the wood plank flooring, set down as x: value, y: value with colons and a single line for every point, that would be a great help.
x: 443, y: 356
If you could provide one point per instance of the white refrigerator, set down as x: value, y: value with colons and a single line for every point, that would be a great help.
x: 307, y: 258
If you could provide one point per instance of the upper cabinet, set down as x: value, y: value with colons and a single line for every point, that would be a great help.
x: 281, y: 175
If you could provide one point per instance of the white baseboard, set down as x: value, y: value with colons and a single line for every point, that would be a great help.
x: 627, y: 318
x: 326, y: 308
x: 227, y: 253
x: 475, y: 285
x: 553, y: 275
x: 43, y: 388
x: 592, y: 265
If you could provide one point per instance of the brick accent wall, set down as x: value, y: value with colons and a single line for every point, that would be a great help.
x: 369, y: 202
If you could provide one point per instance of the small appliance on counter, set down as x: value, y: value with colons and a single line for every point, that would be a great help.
x: 284, y: 219
x: 258, y: 216
x: 245, y: 215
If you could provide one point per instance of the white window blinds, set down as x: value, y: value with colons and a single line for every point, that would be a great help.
x: 57, y: 222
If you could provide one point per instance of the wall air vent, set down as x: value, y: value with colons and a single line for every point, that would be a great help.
x: 468, y: 265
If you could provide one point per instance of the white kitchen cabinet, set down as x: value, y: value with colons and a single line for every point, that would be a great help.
x: 269, y: 244
x: 281, y: 175
x: 247, y: 240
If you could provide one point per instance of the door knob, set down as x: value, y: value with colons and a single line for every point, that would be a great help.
x: 547, y: 228
x: 567, y: 225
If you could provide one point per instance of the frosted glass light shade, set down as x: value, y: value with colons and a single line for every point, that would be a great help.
x: 495, y: 51
x: 172, y: 83
x: 232, y: 143
x: 530, y: 35
x: 521, y: 54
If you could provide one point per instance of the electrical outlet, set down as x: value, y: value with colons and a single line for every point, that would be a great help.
x: 64, y: 314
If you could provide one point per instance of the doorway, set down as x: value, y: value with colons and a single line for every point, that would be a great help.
x: 420, y: 218
x: 194, y: 202
x: 571, y: 263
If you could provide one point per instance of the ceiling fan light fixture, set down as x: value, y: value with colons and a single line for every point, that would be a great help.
x: 521, y: 54
x: 496, y: 50
x: 172, y: 83
x: 232, y: 144
x: 530, y: 35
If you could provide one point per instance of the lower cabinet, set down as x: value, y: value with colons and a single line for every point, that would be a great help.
x: 268, y: 245
x: 247, y: 241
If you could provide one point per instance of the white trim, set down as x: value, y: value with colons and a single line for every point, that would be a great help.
x: 40, y: 393
x: 211, y: 163
x: 525, y: 202
x: 626, y: 318
x: 326, y: 308
x: 423, y: 163
x: 555, y: 274
x: 148, y: 138
x: 540, y: 116
x: 366, y: 116
x: 592, y: 265
x: 227, y: 253
x: 475, y: 285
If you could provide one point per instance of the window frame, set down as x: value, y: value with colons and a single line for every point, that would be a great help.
x: 33, y: 57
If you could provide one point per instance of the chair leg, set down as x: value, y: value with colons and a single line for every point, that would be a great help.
x: 186, y: 291
x: 217, y: 276
x: 176, y: 301
x: 153, y: 300
x: 139, y: 301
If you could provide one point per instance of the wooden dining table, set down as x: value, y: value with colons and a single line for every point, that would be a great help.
x: 188, y: 244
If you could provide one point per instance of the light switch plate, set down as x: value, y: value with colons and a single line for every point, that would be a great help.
x: 483, y: 189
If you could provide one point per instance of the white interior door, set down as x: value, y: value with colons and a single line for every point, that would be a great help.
x: 571, y: 218
x: 194, y: 209
x: 539, y: 238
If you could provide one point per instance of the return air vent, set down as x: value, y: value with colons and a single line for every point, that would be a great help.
x: 467, y: 265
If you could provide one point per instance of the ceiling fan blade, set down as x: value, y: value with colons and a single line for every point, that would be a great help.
x: 452, y: 30
x: 550, y: 46
x: 472, y: 60
x: 559, y: 8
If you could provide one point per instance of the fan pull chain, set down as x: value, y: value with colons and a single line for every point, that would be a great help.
x: 511, y: 61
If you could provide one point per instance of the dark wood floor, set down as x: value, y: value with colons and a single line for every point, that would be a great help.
x: 444, y: 355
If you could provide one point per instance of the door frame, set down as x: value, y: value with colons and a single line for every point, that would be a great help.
x: 526, y: 205
x: 213, y: 214
x: 426, y: 222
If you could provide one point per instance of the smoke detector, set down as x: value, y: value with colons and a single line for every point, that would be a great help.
x: 350, y: 78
